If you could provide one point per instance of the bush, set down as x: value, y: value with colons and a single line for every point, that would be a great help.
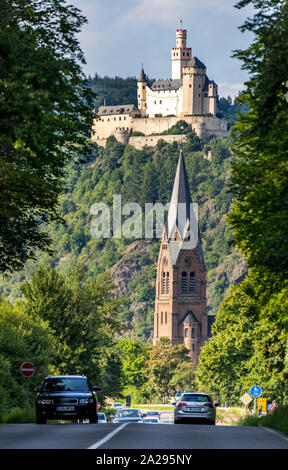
x: 18, y: 415
x: 278, y: 420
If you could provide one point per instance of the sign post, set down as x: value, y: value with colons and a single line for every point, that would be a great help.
x: 246, y: 399
x: 255, y: 392
x: 27, y: 370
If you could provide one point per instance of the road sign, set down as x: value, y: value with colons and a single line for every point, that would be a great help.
x: 27, y: 369
x: 246, y: 399
x: 263, y: 403
x: 98, y: 405
x: 256, y: 391
x: 272, y: 406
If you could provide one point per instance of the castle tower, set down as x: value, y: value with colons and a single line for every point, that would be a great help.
x: 194, y: 77
x: 180, y: 304
x: 141, y: 93
x: 180, y: 54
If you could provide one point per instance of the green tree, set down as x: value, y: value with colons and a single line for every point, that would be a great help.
x: 46, y: 116
x: 162, y: 362
x: 259, y: 215
x: 134, y: 355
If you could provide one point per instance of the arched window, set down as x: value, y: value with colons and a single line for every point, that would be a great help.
x: 192, y: 282
x: 163, y: 283
x: 184, y: 282
x: 186, y: 332
x: 193, y: 333
x: 167, y: 283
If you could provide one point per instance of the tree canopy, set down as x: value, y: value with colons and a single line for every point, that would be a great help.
x: 46, y: 115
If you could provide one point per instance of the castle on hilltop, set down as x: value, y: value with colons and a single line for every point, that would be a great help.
x: 189, y: 96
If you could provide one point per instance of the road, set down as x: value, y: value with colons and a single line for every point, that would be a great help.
x: 138, y: 436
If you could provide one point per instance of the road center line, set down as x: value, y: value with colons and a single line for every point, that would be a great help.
x: 108, y: 437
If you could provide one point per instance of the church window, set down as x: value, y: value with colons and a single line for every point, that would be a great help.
x: 167, y: 283
x: 163, y: 283
x: 186, y: 332
x: 166, y: 318
x: 193, y: 347
x: 161, y: 318
x: 192, y: 282
x: 193, y: 333
x: 184, y: 282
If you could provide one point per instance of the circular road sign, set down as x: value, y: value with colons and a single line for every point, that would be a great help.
x: 27, y: 369
x: 255, y: 391
x: 98, y: 405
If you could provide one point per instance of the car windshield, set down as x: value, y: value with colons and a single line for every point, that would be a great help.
x: 128, y: 414
x: 101, y: 416
x: 66, y: 385
x: 195, y: 397
x: 152, y: 413
x: 151, y: 420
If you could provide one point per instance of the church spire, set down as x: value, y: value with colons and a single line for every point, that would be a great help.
x: 181, y: 227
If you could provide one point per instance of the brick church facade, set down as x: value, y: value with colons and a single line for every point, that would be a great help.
x: 180, y: 305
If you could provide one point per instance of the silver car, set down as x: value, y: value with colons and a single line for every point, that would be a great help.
x: 195, y: 408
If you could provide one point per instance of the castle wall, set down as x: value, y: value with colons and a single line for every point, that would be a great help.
x: 165, y: 102
x: 151, y: 140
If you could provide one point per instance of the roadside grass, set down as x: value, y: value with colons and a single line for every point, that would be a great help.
x: 17, y: 415
x: 229, y: 416
x: 278, y: 420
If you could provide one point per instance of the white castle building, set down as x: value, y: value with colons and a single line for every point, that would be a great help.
x: 189, y: 95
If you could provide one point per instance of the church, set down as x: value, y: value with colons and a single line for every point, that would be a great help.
x: 180, y: 303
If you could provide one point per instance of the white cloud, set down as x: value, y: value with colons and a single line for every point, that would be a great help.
x: 230, y: 89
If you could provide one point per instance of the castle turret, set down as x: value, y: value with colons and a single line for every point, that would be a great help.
x: 180, y: 54
x: 194, y: 78
x: 141, y: 93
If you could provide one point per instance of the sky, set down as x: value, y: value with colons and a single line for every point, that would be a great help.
x: 123, y: 34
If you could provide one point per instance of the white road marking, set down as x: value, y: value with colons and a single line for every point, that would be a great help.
x: 108, y: 437
x: 274, y: 431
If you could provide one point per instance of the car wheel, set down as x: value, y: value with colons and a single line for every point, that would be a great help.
x: 40, y: 420
x: 93, y: 419
x: 177, y: 421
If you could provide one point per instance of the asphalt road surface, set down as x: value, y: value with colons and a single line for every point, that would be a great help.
x: 138, y: 436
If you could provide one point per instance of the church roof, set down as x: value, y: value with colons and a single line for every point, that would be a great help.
x: 190, y: 318
x: 181, y: 217
x: 172, y: 84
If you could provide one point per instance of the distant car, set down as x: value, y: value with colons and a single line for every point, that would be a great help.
x: 195, y: 408
x: 152, y: 419
x: 102, y: 418
x: 129, y: 415
x: 153, y: 413
x: 66, y: 397
x: 116, y: 406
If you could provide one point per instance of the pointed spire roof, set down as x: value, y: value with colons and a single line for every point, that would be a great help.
x: 179, y: 211
x: 181, y: 227
x: 142, y: 76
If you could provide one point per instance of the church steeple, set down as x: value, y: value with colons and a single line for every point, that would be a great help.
x: 181, y: 228
x: 180, y: 303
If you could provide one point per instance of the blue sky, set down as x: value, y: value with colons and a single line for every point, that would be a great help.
x: 121, y: 34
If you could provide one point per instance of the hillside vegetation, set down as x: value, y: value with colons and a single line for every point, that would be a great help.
x: 141, y: 176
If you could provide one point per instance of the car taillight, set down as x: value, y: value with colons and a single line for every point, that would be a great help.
x: 209, y: 405
x: 181, y: 404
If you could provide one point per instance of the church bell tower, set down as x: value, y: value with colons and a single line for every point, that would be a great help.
x: 180, y: 304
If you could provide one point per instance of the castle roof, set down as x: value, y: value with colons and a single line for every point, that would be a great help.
x: 118, y: 109
x: 142, y: 76
x: 172, y: 84
x: 196, y: 63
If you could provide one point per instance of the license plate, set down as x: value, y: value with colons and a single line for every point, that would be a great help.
x: 193, y: 408
x: 65, y: 408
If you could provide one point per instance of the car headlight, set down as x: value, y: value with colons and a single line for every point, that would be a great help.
x: 44, y: 401
x: 85, y: 401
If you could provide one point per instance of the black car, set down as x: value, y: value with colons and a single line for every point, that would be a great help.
x: 66, y: 397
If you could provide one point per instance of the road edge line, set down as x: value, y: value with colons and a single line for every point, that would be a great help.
x: 276, y: 431
x: 109, y: 436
